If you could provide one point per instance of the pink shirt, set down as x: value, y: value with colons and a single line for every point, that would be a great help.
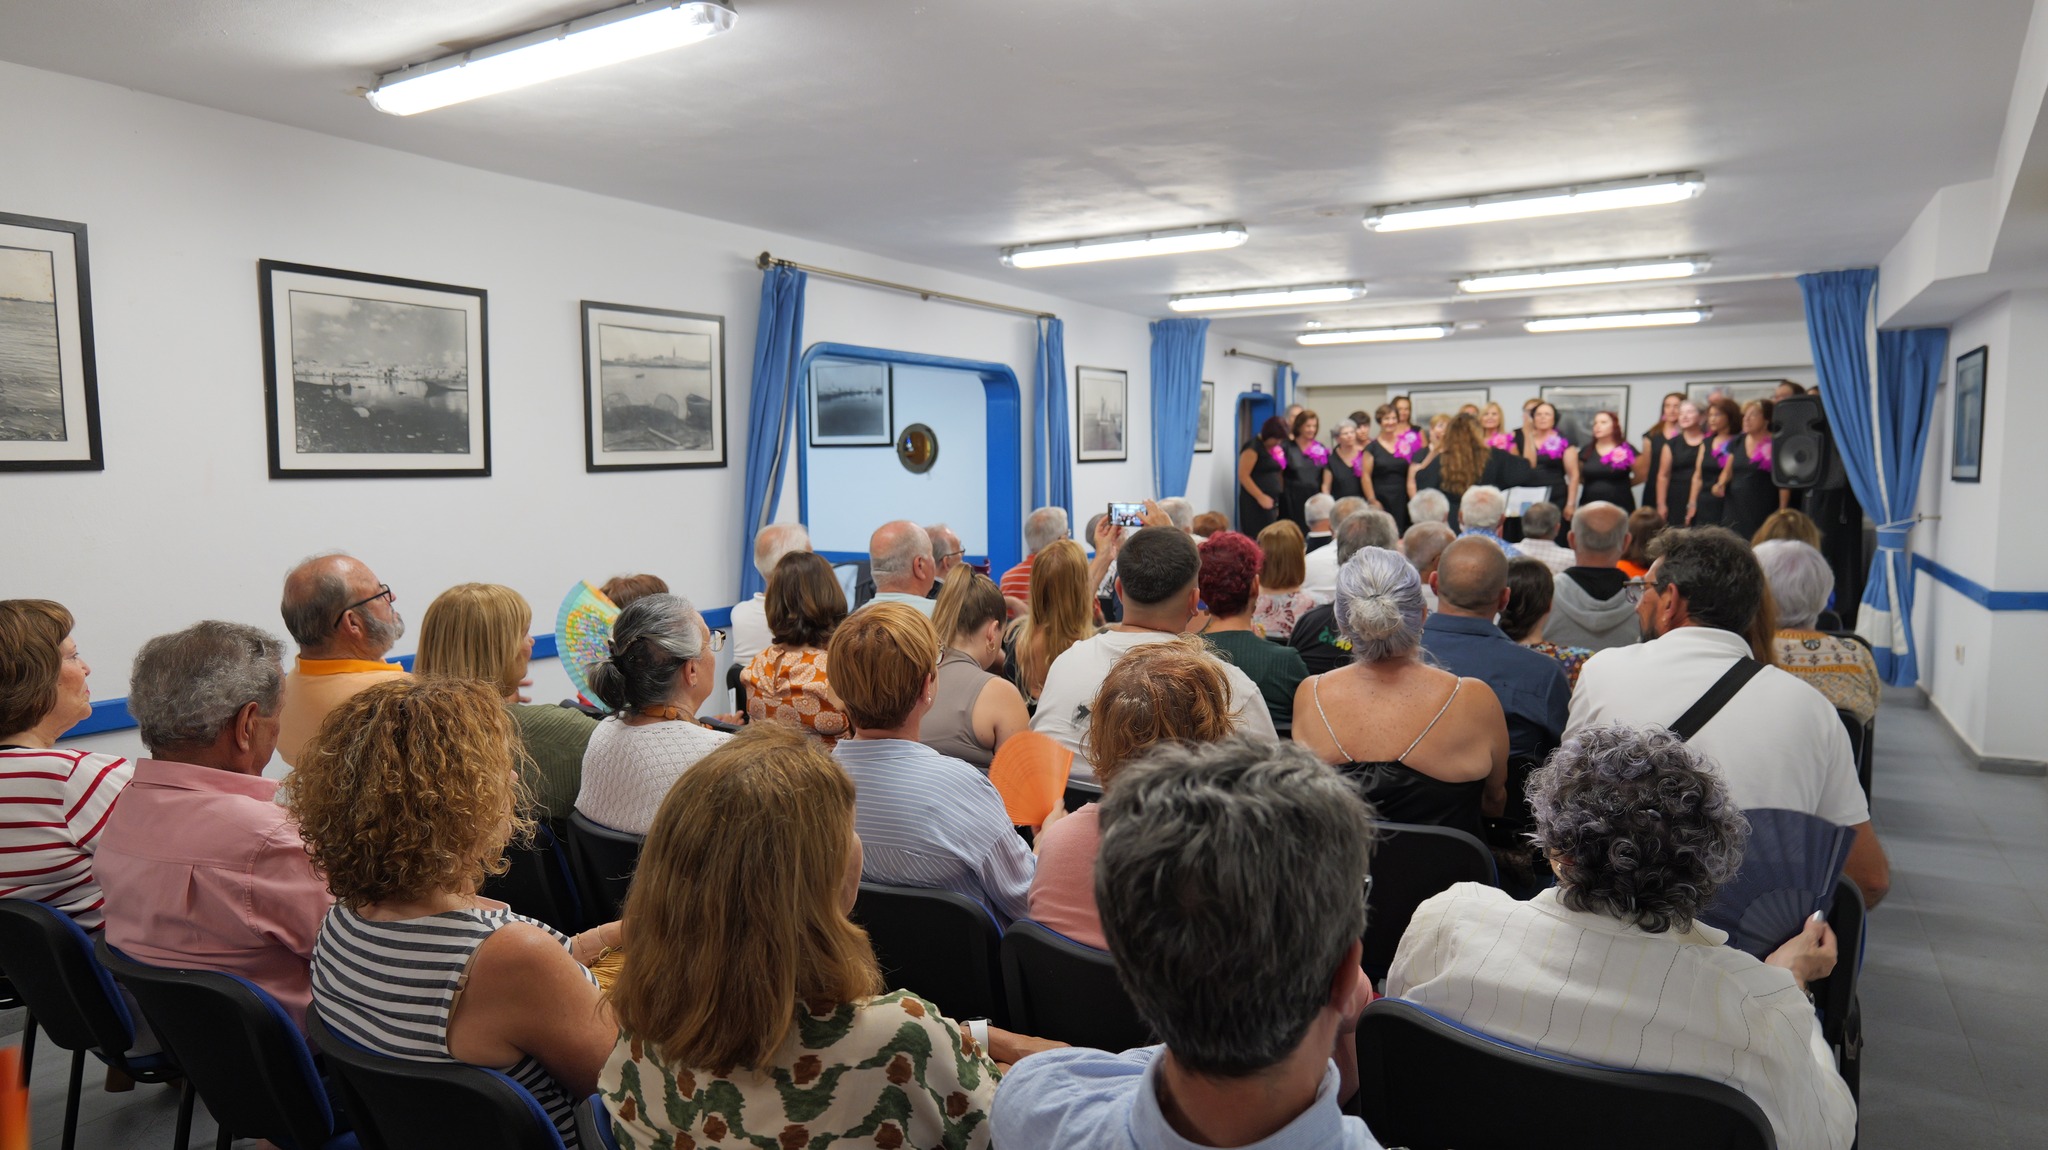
x: 1063, y: 891
x: 202, y: 869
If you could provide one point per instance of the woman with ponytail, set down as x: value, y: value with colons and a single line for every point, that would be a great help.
x: 661, y: 666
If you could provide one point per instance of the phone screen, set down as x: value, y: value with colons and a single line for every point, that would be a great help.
x: 1127, y: 514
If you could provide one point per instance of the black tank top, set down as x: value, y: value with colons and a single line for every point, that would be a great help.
x: 1401, y: 794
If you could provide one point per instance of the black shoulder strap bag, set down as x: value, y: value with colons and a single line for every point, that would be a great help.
x: 1717, y: 696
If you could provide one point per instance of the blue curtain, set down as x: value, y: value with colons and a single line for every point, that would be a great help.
x: 1052, y: 479
x: 778, y: 344
x: 1878, y: 390
x: 1284, y: 379
x: 1177, y: 349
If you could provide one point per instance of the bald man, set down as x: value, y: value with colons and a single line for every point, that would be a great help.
x: 344, y: 622
x: 1471, y: 584
x: 900, y: 554
x: 1591, y: 609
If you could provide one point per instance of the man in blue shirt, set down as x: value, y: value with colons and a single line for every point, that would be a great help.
x: 1240, y: 948
x: 1471, y: 584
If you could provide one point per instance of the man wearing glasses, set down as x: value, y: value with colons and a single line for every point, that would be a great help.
x: 947, y: 552
x: 344, y: 622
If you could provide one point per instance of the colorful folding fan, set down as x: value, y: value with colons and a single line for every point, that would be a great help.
x: 583, y: 627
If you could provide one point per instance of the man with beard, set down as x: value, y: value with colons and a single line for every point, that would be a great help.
x: 344, y: 621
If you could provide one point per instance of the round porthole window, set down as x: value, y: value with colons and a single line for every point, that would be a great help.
x: 917, y: 448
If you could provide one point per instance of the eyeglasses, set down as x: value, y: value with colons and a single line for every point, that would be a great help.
x: 945, y: 555
x: 383, y: 592
x: 717, y: 639
x: 1634, y: 589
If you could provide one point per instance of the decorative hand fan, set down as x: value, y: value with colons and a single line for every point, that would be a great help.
x: 1788, y: 872
x: 582, y: 628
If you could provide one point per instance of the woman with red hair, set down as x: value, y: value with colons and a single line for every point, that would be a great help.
x: 1229, y: 584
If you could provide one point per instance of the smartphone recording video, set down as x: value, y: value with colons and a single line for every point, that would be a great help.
x: 1127, y: 514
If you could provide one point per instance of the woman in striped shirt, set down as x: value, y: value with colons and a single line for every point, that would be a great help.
x: 406, y: 798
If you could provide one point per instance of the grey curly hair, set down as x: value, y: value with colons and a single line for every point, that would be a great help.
x: 1637, y: 824
x: 1379, y: 605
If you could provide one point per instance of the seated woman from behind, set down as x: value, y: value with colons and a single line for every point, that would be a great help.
x: 1641, y: 834
x: 974, y: 711
x: 1160, y: 692
x: 751, y: 1011
x: 786, y: 682
x: 1061, y: 613
x: 1842, y: 669
x: 1284, y: 553
x: 662, y: 666
x: 1230, y: 588
x: 406, y: 799
x: 1532, y: 589
x: 1424, y: 745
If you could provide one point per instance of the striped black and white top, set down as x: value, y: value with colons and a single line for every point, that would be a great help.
x: 392, y: 985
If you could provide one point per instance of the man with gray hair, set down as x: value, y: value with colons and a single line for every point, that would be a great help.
x: 1539, y: 537
x: 1318, y: 509
x: 1589, y: 609
x: 900, y: 554
x: 749, y: 627
x: 344, y: 622
x: 1315, y: 634
x: 1481, y: 510
x: 1422, y: 546
x: 1179, y: 512
x: 1429, y: 506
x: 1042, y: 528
x: 1319, y: 571
x: 200, y: 866
x: 946, y: 550
x: 1239, y: 948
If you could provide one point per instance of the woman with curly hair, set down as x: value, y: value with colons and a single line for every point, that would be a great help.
x: 406, y: 799
x: 1464, y: 460
x: 1230, y: 586
x: 1641, y: 833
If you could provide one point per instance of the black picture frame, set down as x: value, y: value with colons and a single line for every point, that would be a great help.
x: 1103, y: 436
x: 1966, y: 452
x: 1205, y: 426
x: 674, y: 361
x: 1578, y: 403
x: 1426, y: 403
x: 50, y: 405
x: 361, y: 387
x: 860, y: 408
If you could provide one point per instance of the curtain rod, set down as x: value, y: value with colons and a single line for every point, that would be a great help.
x: 1260, y: 358
x: 766, y: 261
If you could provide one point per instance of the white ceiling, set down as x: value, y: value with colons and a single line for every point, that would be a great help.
x: 941, y: 130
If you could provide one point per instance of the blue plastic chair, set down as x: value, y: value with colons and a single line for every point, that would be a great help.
x: 594, y: 1124
x: 403, y: 1104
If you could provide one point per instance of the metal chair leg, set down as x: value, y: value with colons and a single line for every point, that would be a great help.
x: 226, y: 1141
x: 183, y: 1134
x: 28, y: 1046
x: 71, y: 1098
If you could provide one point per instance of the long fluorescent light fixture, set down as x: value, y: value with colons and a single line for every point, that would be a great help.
x: 1640, y: 192
x: 1580, y: 275
x: 1373, y: 335
x: 1624, y: 319
x: 1207, y: 238
x: 1266, y: 297
x: 579, y: 45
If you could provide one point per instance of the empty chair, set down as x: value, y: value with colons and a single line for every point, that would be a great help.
x: 1418, y: 1073
x: 1411, y: 862
x: 604, y: 860
x: 538, y: 884
x: 1057, y: 988
x: 944, y: 946
x: 402, y: 1104
x: 239, y: 1049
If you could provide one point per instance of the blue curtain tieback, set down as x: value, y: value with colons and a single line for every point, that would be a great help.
x: 1892, y: 536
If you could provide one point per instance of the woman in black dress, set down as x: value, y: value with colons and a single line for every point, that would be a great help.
x: 1306, y: 458
x: 1345, y: 475
x: 1607, y: 466
x: 1746, y: 479
x: 1673, y: 487
x: 1724, y: 423
x: 1650, y: 462
x: 1391, y: 454
x: 1261, y: 477
x: 1550, y: 456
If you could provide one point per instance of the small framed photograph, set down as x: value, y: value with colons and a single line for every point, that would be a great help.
x: 373, y: 376
x: 653, y: 388
x: 49, y: 381
x: 1205, y: 420
x: 1101, y: 401
x: 1426, y: 403
x: 1577, y: 404
x: 852, y: 404
x: 1739, y: 390
x: 1966, y: 458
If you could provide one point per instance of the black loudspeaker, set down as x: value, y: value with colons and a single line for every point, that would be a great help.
x: 1802, y: 455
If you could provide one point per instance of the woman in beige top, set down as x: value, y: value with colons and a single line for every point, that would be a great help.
x: 973, y: 711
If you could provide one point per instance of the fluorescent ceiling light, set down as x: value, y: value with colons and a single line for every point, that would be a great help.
x: 1625, y: 319
x: 1579, y: 275
x: 1372, y: 335
x: 1635, y: 193
x: 1266, y: 297
x: 580, y: 45
x: 1207, y: 238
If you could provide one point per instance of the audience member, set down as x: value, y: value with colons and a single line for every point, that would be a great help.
x: 406, y: 798
x: 927, y: 820
x: 1644, y: 524
x: 1319, y: 570
x: 1786, y: 389
x: 1179, y: 512
x: 1319, y: 529
x: 1315, y: 636
x: 900, y: 554
x: 1429, y: 506
x: 1531, y: 590
x: 1168, y: 692
x: 1061, y: 613
x: 1471, y: 582
x: 750, y: 632
x: 974, y: 711
x: 1158, y: 573
x: 1230, y: 586
x: 344, y: 622
x: 1841, y: 669
x: 1281, y: 600
x: 200, y: 866
x: 947, y: 551
x: 1210, y: 523
x: 1239, y: 947
x: 1540, y: 522
x: 1590, y: 610
x: 1788, y: 523
x: 623, y: 589
x: 1776, y: 745
x: 662, y: 666
x: 42, y: 695
x: 789, y: 682
x: 1364, y: 714
x: 1641, y: 834
x: 1423, y: 546
x: 480, y: 631
x: 1042, y: 528
x: 1481, y: 510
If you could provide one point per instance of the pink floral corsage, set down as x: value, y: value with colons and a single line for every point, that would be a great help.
x: 1317, y: 453
x: 1279, y: 454
x: 1621, y: 456
x: 1721, y: 454
x: 1554, y: 447
x: 1502, y: 440
x: 1408, y: 444
x: 1762, y: 455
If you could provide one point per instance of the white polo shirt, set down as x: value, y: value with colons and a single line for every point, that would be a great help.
x: 1319, y: 574
x: 1778, y: 742
x: 1076, y: 676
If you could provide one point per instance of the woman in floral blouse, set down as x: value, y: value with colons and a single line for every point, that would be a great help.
x: 787, y: 682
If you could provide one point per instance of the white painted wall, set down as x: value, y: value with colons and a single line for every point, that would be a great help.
x: 847, y: 485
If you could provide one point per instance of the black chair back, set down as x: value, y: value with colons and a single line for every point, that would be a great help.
x: 738, y: 687
x: 539, y: 885
x: 400, y: 1104
x: 605, y: 860
x: 50, y: 961
x: 1057, y: 988
x: 1411, y: 862
x: 1841, y: 1014
x: 1416, y: 1072
x: 1080, y: 793
x: 942, y: 946
x: 594, y: 1124
x: 237, y: 1045
x: 1862, y: 743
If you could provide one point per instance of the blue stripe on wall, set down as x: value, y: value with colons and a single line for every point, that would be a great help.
x: 1978, y: 593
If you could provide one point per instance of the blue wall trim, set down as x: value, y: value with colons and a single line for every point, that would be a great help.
x: 1978, y: 593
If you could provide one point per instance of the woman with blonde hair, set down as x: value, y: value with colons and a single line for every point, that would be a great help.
x: 406, y: 799
x: 1060, y: 613
x: 1788, y: 523
x: 479, y: 631
x: 974, y: 711
x: 1281, y: 599
x: 1493, y: 424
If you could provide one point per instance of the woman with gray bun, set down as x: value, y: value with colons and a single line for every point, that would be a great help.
x: 1423, y: 745
x: 661, y: 666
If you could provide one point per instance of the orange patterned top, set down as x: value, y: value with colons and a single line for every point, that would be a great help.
x: 788, y: 685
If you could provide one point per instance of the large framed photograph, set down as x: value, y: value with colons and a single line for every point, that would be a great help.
x: 1101, y: 402
x: 49, y: 382
x: 653, y: 388
x: 369, y: 375
x: 1966, y: 459
x: 852, y: 404
x: 1577, y: 404
x: 1205, y: 419
x: 1426, y: 403
x: 1739, y: 390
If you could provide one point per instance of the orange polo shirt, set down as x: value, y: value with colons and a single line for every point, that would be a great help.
x: 317, y: 686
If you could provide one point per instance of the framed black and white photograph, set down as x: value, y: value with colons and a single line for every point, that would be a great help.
x: 370, y: 375
x: 1739, y: 390
x: 1205, y: 419
x: 1966, y: 460
x: 852, y: 404
x: 653, y: 388
x: 1101, y: 404
x: 49, y: 384
x: 1577, y: 404
x: 1426, y: 403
